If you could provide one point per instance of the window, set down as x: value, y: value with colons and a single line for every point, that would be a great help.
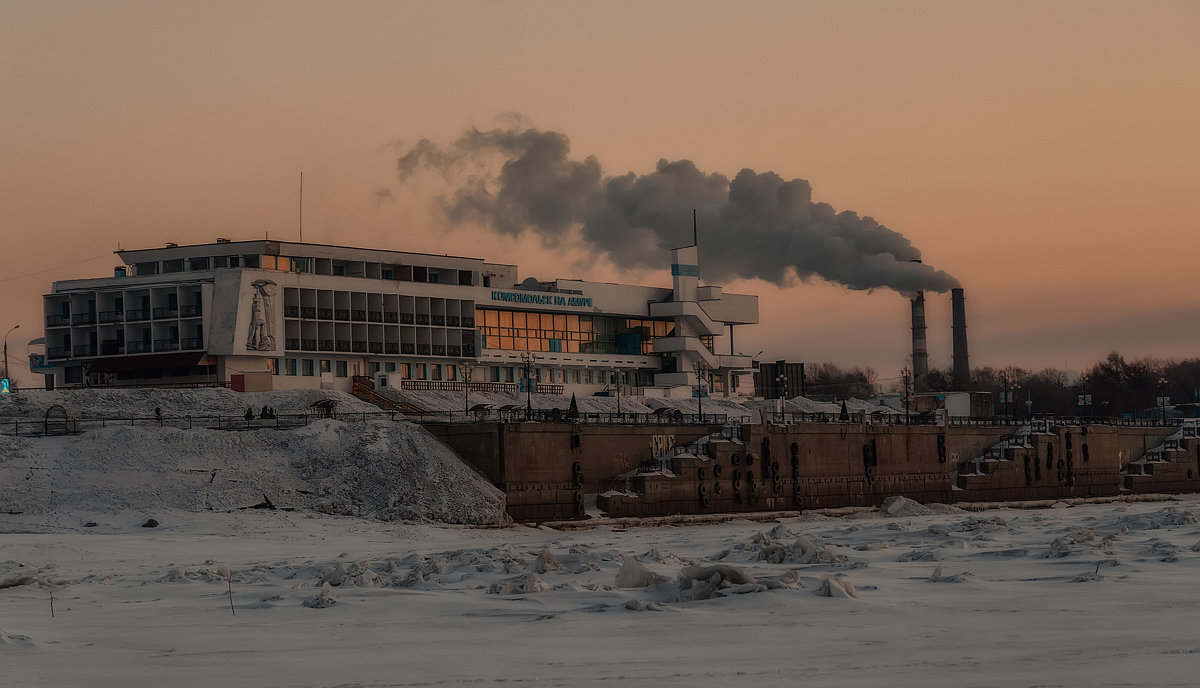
x: 273, y: 365
x: 418, y: 371
x: 451, y: 372
x: 326, y: 365
x: 508, y: 375
x: 341, y: 368
x: 435, y: 371
x: 289, y: 366
x: 374, y: 368
x: 306, y: 366
x: 405, y: 371
x: 389, y: 367
x: 494, y: 374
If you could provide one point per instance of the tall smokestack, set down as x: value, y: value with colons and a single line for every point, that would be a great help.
x: 962, y: 366
x: 920, y: 350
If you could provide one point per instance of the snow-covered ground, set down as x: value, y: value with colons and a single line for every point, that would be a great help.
x: 1090, y: 595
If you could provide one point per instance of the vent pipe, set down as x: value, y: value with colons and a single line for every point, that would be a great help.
x: 920, y: 349
x: 962, y: 366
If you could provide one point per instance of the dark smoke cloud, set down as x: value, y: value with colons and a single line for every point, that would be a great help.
x: 753, y: 226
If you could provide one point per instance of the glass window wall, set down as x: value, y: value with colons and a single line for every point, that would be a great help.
x: 569, y: 332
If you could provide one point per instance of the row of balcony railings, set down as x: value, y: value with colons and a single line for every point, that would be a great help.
x: 390, y: 348
x: 347, y: 315
x: 115, y: 347
x: 128, y: 315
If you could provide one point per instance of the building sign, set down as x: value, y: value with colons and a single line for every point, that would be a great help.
x: 542, y: 299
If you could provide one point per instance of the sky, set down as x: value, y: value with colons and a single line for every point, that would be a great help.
x: 1043, y: 153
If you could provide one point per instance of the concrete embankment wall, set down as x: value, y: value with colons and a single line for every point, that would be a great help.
x: 546, y: 468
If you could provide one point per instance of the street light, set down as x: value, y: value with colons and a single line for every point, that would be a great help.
x: 528, y: 359
x: 8, y: 374
x: 781, y: 381
x: 1162, y: 399
x: 700, y: 368
x: 464, y: 368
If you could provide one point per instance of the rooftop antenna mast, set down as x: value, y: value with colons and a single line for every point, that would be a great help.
x: 695, y: 242
x: 302, y: 207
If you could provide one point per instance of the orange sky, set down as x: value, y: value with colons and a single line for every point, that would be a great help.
x: 1042, y: 152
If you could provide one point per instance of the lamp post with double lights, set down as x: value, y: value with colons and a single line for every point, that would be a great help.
x: 1162, y: 399
x: 528, y: 359
x: 7, y: 374
x: 464, y: 368
x: 781, y: 382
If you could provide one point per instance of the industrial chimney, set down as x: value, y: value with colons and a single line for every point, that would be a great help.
x: 962, y: 366
x: 920, y: 350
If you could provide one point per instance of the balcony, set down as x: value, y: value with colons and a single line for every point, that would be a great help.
x: 137, y: 347
x: 191, y: 343
x: 341, y: 314
x: 135, y: 314
x: 375, y: 316
x: 58, y: 320
x: 291, y: 311
x: 325, y: 345
x: 165, y: 312
x: 375, y: 347
x: 468, y: 322
x: 451, y: 321
x: 342, y: 345
x: 422, y: 318
x: 308, y: 345
x: 439, y: 349
x: 308, y: 312
x: 83, y: 319
x: 439, y: 320
x: 406, y: 318
x: 454, y: 351
x: 112, y: 347
x: 58, y: 352
x: 81, y: 350
x: 111, y: 316
x: 468, y: 350
x: 292, y: 344
x: 192, y: 311
x: 408, y: 348
x: 422, y: 349
x: 389, y: 317
x: 324, y: 314
x: 391, y: 349
x: 358, y: 315
x: 359, y: 347
x: 166, y: 345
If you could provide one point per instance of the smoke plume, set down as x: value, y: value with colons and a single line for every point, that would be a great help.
x: 757, y: 225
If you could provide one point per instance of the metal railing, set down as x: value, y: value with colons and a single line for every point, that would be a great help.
x: 111, y: 316
x: 190, y: 311
x: 37, y: 427
x: 58, y: 320
x: 166, y: 312
x: 83, y: 319
x: 450, y: 386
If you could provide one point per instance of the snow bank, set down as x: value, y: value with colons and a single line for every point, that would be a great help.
x: 379, y: 470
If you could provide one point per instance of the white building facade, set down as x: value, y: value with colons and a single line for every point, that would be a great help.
x: 318, y: 316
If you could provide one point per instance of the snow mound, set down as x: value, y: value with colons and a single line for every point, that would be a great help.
x: 378, y: 469
x: 14, y: 641
x: 900, y: 506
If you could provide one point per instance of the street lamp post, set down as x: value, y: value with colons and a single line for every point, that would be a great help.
x: 781, y: 382
x: 904, y: 376
x: 465, y: 369
x: 1162, y: 399
x: 7, y: 373
x: 1004, y: 396
x: 528, y: 359
x: 700, y: 370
